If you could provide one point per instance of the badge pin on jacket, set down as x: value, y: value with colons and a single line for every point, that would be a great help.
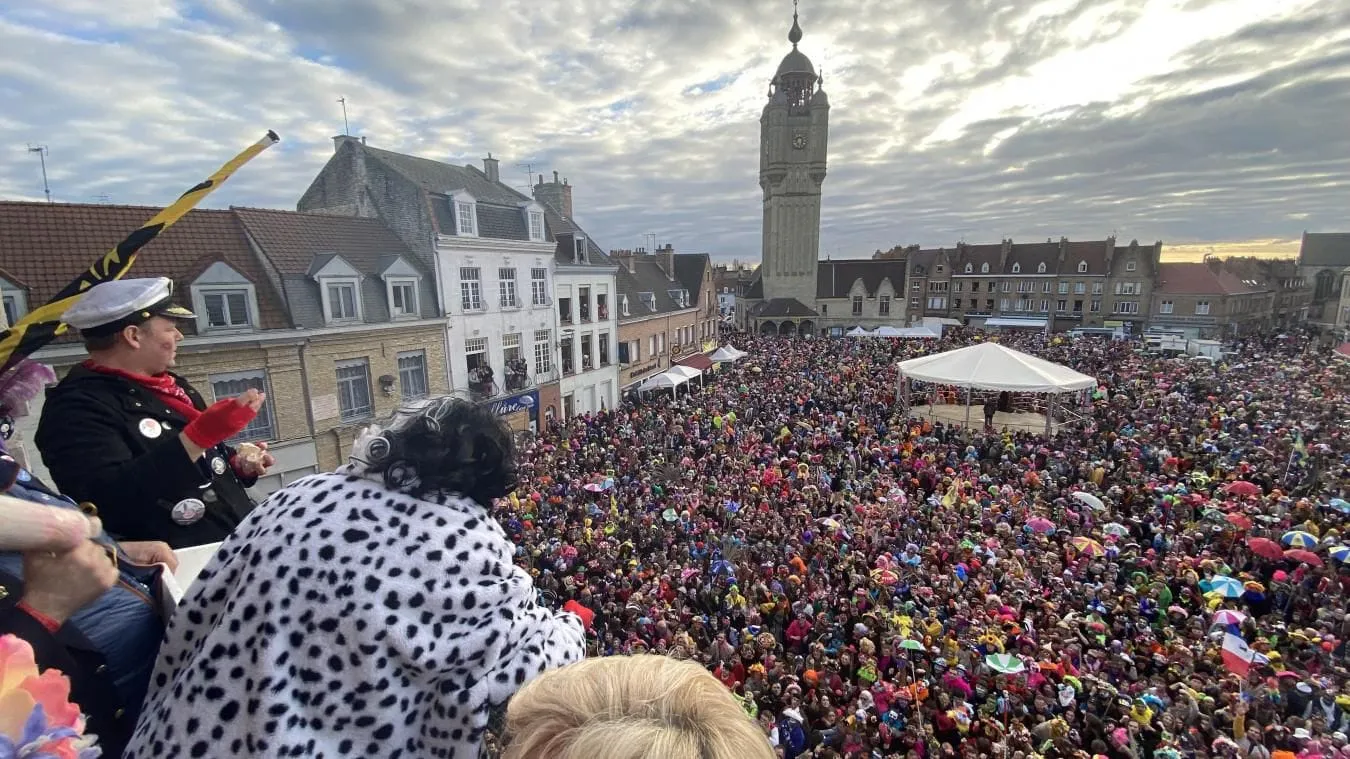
x: 150, y: 428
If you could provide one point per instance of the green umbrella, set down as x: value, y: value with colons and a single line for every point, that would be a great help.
x: 1005, y: 663
x: 912, y: 645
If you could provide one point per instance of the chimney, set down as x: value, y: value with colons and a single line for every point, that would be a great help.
x: 492, y: 169
x: 342, y: 138
x: 668, y: 260
x: 625, y: 258
x: 557, y: 193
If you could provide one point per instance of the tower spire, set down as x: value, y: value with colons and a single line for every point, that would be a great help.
x: 795, y: 34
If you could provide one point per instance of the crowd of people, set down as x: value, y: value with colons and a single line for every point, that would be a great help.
x: 1158, y: 578
x: 782, y: 554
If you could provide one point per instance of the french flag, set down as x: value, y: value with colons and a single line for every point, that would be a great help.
x: 1238, y: 657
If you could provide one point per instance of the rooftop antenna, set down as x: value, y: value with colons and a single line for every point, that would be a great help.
x: 650, y: 236
x: 529, y: 170
x: 346, y: 129
x: 41, y: 150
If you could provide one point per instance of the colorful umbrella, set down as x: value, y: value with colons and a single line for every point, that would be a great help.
x: 592, y: 487
x: 1116, y: 528
x: 911, y: 645
x: 885, y: 576
x: 1239, y: 521
x: 1242, y: 487
x: 1265, y: 548
x: 1340, y: 553
x: 1088, y: 547
x: 1227, y: 617
x: 1041, y: 524
x: 1224, y: 585
x: 1005, y: 663
x: 1299, y: 539
x: 1303, y: 557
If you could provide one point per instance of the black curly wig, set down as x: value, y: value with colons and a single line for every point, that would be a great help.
x: 446, y: 446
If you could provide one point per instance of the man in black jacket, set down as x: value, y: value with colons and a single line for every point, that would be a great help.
x: 123, y: 432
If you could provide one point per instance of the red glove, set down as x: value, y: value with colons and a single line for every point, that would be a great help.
x: 222, y: 421
x: 585, y: 615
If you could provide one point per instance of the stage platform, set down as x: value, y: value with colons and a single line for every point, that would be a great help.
x: 952, y: 413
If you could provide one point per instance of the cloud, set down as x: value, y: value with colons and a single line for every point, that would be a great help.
x: 1181, y: 120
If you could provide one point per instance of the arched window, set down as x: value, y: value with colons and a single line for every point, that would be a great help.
x: 968, y: 268
x: 1017, y: 268
x: 984, y: 268
x: 1082, y: 267
x: 1040, y: 268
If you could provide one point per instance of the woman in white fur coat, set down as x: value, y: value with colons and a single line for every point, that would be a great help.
x: 374, y: 611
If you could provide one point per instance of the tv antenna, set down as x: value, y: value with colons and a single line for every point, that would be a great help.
x: 346, y: 129
x: 41, y: 151
x: 529, y: 170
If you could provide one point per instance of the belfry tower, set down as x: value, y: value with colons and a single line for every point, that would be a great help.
x: 794, y: 131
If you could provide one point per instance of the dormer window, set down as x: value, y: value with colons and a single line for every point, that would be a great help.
x: 681, y: 297
x: 401, y: 282
x: 1017, y: 268
x: 536, y: 219
x: 466, y: 214
x: 339, y: 288
x: 648, y: 300
x: 579, y: 250
x: 1040, y: 268
x: 984, y: 268
x: 623, y: 305
x: 1082, y: 267
x: 969, y: 268
x: 224, y: 300
x: 939, y: 268
x: 1130, y: 265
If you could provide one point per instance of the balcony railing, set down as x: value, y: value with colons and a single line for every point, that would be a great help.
x: 517, y: 381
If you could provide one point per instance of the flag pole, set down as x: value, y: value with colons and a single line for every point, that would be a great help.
x: 43, y: 324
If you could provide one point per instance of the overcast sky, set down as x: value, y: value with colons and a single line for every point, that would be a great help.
x: 1190, y: 121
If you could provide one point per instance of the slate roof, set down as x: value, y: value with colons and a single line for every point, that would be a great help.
x: 1325, y: 249
x: 784, y: 307
x: 689, y: 269
x: 1031, y: 255
x: 834, y: 279
x: 977, y: 256
x: 563, y: 230
x: 299, y: 244
x: 1094, y: 253
x: 44, y: 245
x: 440, y: 178
x: 756, y: 289
x: 499, y: 214
x: 649, y: 275
x: 1202, y: 279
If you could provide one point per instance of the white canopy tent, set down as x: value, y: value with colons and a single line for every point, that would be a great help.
x: 857, y: 332
x: 726, y: 353
x: 688, y: 372
x: 990, y: 366
x: 905, y: 332
x: 663, y: 381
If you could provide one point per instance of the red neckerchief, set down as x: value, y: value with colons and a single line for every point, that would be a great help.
x: 162, y: 385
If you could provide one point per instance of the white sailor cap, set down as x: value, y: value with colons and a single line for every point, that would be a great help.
x: 110, y: 306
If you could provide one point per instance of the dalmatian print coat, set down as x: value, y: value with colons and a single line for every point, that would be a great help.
x: 343, y: 619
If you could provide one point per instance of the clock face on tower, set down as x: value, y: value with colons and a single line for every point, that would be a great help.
x: 799, y: 142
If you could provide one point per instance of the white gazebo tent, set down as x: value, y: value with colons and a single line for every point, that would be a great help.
x: 726, y: 353
x: 990, y: 366
x: 905, y: 332
x: 667, y: 380
x: 688, y: 372
x: 858, y: 332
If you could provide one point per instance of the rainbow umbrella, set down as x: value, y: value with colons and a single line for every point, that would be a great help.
x: 1088, y: 547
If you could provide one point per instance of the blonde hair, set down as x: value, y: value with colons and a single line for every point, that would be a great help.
x: 630, y: 707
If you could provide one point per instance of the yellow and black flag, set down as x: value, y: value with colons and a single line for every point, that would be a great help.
x: 43, y: 324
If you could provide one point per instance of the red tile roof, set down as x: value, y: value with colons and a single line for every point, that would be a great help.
x: 44, y: 245
x: 1203, y: 279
